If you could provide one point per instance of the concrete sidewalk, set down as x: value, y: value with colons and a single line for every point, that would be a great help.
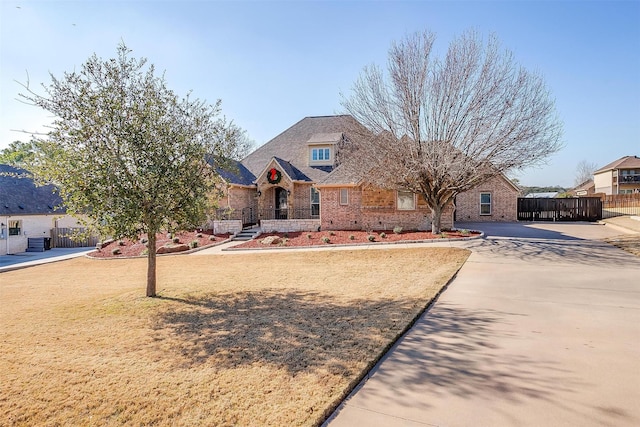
x: 28, y: 259
x: 540, y: 327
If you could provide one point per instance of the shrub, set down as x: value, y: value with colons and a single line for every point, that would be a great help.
x: 212, y: 238
x: 199, y: 235
x: 285, y: 235
x: 121, y: 242
x: 397, y: 229
x: 326, y: 239
x: 145, y: 251
x: 331, y: 233
x: 98, y: 247
x: 116, y: 251
x: 144, y: 240
x: 175, y: 240
x: 443, y: 235
x: 193, y: 244
x: 352, y: 237
x: 309, y: 236
x: 383, y: 235
x: 371, y: 238
x: 464, y: 232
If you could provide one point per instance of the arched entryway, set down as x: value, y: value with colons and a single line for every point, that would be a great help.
x: 281, y: 203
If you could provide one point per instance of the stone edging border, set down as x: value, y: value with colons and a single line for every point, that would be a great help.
x: 329, y: 246
x: 190, y: 251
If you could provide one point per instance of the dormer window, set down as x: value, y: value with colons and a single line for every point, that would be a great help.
x: 322, y: 148
x: 319, y: 154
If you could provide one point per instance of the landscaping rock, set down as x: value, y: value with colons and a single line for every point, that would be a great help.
x: 271, y: 240
x: 168, y: 249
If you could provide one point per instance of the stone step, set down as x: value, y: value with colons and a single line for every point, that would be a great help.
x: 245, y: 235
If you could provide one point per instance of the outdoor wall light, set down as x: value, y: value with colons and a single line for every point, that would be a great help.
x: 259, y: 193
x: 288, y: 192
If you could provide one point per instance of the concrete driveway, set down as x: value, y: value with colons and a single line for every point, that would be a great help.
x: 541, y: 327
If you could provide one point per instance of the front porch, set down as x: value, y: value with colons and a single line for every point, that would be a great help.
x: 268, y: 219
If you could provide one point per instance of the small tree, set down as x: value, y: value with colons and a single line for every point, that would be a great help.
x: 442, y: 127
x: 127, y: 153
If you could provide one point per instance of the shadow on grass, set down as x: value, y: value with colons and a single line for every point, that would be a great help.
x: 292, y: 330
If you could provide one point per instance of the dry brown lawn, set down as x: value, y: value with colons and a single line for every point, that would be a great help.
x: 243, y: 339
x: 629, y: 243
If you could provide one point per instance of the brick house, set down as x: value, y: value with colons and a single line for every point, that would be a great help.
x: 291, y: 183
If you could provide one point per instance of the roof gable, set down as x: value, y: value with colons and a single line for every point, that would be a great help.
x: 292, y: 145
x: 19, y: 195
x: 626, y: 162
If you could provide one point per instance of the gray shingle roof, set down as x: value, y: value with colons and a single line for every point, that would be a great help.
x: 291, y: 146
x: 236, y: 173
x: 293, y: 172
x: 20, y: 196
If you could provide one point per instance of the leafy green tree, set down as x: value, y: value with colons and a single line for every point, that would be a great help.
x: 17, y: 153
x: 128, y: 153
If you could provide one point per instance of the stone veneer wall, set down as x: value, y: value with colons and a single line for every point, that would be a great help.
x: 231, y: 226
x: 289, y: 225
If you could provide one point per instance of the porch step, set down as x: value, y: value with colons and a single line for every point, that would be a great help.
x: 246, y: 234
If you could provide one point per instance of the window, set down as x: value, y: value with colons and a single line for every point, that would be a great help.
x: 344, y: 196
x: 315, y: 202
x: 14, y: 227
x: 406, y: 201
x: 320, y: 154
x: 485, y: 203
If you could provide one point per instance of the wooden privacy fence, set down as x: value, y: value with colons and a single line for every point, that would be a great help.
x: 62, y: 238
x: 620, y: 204
x: 570, y: 209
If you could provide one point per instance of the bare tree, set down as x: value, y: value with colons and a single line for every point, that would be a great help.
x: 444, y: 126
x: 584, y: 172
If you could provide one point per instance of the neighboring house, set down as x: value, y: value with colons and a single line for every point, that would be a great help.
x: 291, y: 183
x: 587, y: 188
x: 619, y: 177
x: 27, y: 210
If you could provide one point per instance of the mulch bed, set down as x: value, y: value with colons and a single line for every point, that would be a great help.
x: 129, y: 248
x: 318, y: 238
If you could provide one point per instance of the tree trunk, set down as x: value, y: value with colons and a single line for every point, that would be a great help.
x: 151, y: 265
x: 436, y: 219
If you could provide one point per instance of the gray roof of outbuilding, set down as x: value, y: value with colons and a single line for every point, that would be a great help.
x: 20, y: 196
x: 291, y: 146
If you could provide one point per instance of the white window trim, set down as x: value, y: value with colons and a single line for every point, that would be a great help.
x: 413, y: 208
x: 344, y: 191
x: 490, y: 204
x: 323, y: 161
x: 17, y: 225
x: 311, y: 202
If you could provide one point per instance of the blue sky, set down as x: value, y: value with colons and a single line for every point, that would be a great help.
x: 273, y: 63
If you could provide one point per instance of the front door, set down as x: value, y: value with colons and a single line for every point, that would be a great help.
x: 281, y: 203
